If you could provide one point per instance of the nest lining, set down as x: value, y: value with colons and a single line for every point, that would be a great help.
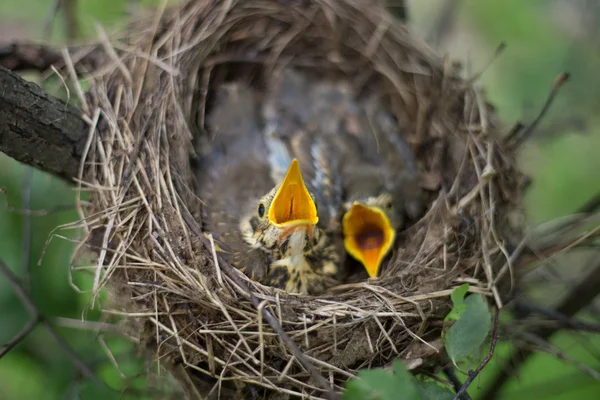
x: 148, y: 105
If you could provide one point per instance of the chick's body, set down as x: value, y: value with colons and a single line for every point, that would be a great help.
x: 236, y: 182
x: 233, y: 175
x: 352, y: 152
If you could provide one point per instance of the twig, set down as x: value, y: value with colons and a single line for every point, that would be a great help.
x: 19, y: 336
x: 38, y: 318
x: 579, y: 297
x: 26, y: 239
x: 443, y: 22
x: 592, y: 205
x: 399, y: 9
x: 71, y: 22
x: 566, y: 321
x: 316, y: 376
x: 544, y: 345
x: 499, y: 50
x: 19, y: 56
x: 49, y: 20
x: 486, y: 360
x: 456, y: 383
x: 517, y: 137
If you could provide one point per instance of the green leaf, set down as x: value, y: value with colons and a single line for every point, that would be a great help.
x: 470, y: 331
x: 432, y: 391
x: 378, y: 384
x: 458, y: 301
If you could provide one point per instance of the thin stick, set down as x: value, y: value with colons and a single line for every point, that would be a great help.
x: 592, y: 205
x: 26, y: 238
x: 400, y: 10
x: 316, y: 376
x: 579, y: 297
x: 456, y: 383
x: 517, y: 137
x: 486, y: 360
x: 19, y: 336
x: 49, y: 20
x: 566, y: 321
x: 443, y: 22
x: 499, y: 50
x: 39, y: 318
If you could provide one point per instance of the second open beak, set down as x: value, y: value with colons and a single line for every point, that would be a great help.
x: 368, y: 236
x: 293, y: 206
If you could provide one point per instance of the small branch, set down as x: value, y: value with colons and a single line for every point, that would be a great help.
x: 518, y: 136
x: 456, y: 383
x: 38, y: 129
x: 543, y: 345
x: 19, y: 56
x: 19, y: 336
x: 26, y: 239
x: 528, y: 307
x: 578, y: 297
x: 50, y: 17
x: 71, y: 21
x: 486, y: 360
x: 443, y: 22
x: 399, y: 9
x: 38, y: 318
x: 298, y: 354
x: 26, y: 56
x: 499, y: 50
x: 591, y: 206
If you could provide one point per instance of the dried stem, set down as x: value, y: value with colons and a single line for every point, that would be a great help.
x: 26, y: 238
x: 38, y: 318
x: 456, y: 383
x: 578, y: 297
x: 486, y: 360
x: 567, y: 322
x: 518, y: 136
x: 19, y: 336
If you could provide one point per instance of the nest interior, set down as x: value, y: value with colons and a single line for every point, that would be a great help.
x: 148, y: 102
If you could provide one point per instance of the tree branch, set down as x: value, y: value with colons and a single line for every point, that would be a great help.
x: 486, y: 360
x: 38, y: 129
x: 577, y: 298
x: 38, y: 318
x: 19, y: 56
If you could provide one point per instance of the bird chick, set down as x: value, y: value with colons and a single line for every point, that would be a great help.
x: 272, y: 237
x: 285, y: 224
x: 357, y: 163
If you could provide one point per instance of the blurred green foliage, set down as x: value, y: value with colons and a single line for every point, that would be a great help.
x: 38, y: 368
x: 542, y: 42
x: 544, y: 38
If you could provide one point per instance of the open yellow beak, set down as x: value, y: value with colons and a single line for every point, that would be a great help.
x: 368, y: 236
x: 293, y: 205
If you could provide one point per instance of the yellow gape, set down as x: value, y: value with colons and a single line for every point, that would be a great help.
x: 293, y: 205
x: 368, y: 236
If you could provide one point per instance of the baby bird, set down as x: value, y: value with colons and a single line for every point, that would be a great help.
x: 356, y: 160
x: 272, y: 237
x: 285, y: 225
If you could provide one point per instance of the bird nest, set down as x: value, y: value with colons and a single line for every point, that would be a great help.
x: 148, y: 102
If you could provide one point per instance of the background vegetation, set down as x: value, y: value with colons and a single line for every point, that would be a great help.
x: 544, y: 38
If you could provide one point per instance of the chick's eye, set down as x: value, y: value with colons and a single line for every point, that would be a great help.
x: 261, y: 210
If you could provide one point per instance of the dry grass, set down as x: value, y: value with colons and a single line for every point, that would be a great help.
x: 212, y: 326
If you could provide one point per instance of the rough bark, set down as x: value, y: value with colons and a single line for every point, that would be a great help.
x: 38, y: 129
